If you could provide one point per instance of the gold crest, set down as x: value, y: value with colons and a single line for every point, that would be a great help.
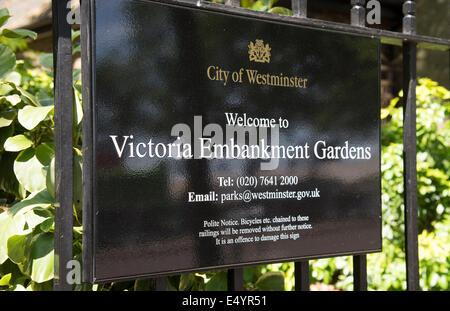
x: 259, y: 52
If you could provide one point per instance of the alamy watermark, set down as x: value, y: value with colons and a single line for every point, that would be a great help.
x: 374, y: 12
x: 373, y: 15
x: 74, y: 274
x: 74, y: 16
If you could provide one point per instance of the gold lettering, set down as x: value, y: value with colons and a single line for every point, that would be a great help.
x: 251, y: 75
x: 215, y: 73
x: 207, y: 73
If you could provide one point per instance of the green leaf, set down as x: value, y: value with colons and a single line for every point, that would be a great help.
x: 20, y: 288
x: 142, y: 285
x: 29, y: 116
x: 7, y: 117
x: 30, y: 171
x: 5, y: 88
x: 7, y: 60
x: 45, y: 153
x: 27, y: 97
x: 36, y: 217
x: 13, y: 77
x: 48, y: 224
x: 263, y: 5
x: 17, y: 143
x: 13, y: 99
x: 50, y: 178
x: 19, y: 33
x: 186, y: 281
x: 4, y: 281
x: 75, y: 34
x: 77, y: 180
x: 4, y: 16
x: 78, y: 109
x: 9, y: 226
x: 42, y: 256
x: 76, y: 49
x: 42, y: 287
x: 280, y: 10
x: 218, y: 282
x: 39, y: 200
x: 16, y: 248
x: 271, y: 281
x: 384, y: 113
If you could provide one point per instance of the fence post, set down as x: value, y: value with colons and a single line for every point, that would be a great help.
x: 360, y: 273
x: 161, y: 284
x: 236, y: 279
x: 235, y: 276
x: 62, y: 64
x: 301, y: 275
x: 410, y: 148
x: 358, y: 18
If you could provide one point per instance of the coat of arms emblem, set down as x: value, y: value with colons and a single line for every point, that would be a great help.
x: 258, y: 52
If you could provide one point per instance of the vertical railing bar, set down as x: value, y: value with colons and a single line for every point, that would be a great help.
x: 236, y: 279
x: 235, y: 276
x: 161, y: 284
x: 360, y: 273
x: 410, y: 148
x: 358, y: 18
x: 62, y: 52
x: 301, y: 275
x: 301, y: 268
x: 299, y: 8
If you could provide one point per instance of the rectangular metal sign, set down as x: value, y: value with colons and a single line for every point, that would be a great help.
x: 214, y: 141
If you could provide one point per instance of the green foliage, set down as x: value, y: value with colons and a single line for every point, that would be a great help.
x: 265, y: 5
x: 262, y: 6
x: 27, y: 162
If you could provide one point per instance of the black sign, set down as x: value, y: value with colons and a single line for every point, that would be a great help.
x: 214, y: 141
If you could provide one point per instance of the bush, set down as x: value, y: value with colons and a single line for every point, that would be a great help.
x: 27, y: 165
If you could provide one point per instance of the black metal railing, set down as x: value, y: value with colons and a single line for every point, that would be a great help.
x: 408, y: 39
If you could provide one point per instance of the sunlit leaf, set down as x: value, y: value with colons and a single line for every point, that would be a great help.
x: 29, y: 171
x: 4, y: 281
x: 280, y: 10
x: 42, y: 256
x: 29, y: 116
x: 7, y: 117
x: 9, y: 226
x: 17, y: 143
x: 41, y: 200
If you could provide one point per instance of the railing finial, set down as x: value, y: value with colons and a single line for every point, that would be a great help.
x: 358, y: 13
x: 299, y: 8
x: 409, y: 19
x: 233, y: 3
